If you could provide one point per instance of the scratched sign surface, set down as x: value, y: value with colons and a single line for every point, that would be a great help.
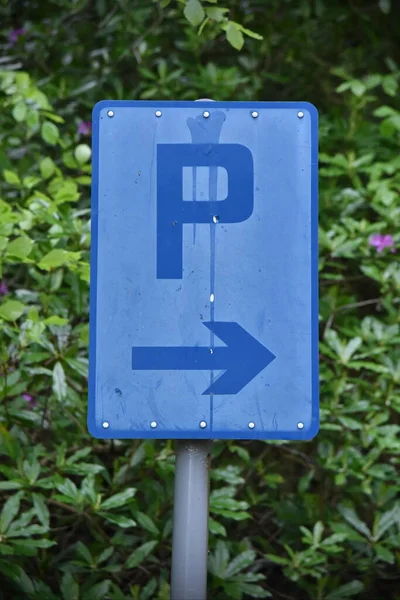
x: 203, y: 310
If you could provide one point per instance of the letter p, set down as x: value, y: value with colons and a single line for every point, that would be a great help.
x: 173, y: 212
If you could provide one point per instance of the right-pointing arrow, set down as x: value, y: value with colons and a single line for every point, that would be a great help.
x: 242, y: 359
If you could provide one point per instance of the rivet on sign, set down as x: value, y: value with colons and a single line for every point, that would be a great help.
x: 300, y: 115
x: 106, y: 424
x: 251, y: 425
x: 254, y: 114
x: 300, y: 425
x: 153, y: 424
x: 215, y: 219
x: 110, y: 113
x: 206, y: 114
x: 158, y: 113
x: 203, y: 424
x: 212, y: 297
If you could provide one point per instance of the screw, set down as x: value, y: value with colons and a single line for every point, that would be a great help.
x: 215, y: 219
x: 300, y: 114
x: 254, y: 114
x: 212, y: 297
x: 203, y: 424
x: 153, y: 424
x: 206, y: 114
x: 251, y: 425
x: 300, y: 425
x: 110, y: 113
x: 158, y: 113
x: 106, y: 424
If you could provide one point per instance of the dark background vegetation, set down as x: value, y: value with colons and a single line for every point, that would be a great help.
x: 86, y: 519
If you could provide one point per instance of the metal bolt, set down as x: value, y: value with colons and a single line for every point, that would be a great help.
x: 203, y: 424
x: 251, y: 425
x: 153, y: 424
x: 300, y: 114
x: 110, y: 113
x: 215, y: 219
x: 158, y: 113
x: 106, y: 424
x: 206, y: 114
x: 211, y: 350
x: 254, y: 114
x: 212, y: 297
x: 300, y: 425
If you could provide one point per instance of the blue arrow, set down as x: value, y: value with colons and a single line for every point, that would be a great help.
x: 242, y: 359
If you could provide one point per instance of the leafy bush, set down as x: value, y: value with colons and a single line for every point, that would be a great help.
x: 86, y: 519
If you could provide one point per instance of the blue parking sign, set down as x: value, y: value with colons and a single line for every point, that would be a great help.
x: 204, y: 271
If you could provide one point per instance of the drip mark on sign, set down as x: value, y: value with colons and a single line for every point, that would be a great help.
x: 207, y: 131
x: 274, y: 423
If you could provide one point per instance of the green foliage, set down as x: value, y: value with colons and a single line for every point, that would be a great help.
x: 84, y: 519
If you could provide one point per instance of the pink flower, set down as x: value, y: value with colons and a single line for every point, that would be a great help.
x: 381, y: 241
x: 85, y: 127
x: 30, y: 400
x: 3, y: 288
x: 15, y: 34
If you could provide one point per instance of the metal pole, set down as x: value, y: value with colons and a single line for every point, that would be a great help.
x: 190, y: 520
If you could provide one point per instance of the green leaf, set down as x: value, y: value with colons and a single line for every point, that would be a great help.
x: 348, y: 590
x: 56, y: 320
x: 119, y: 499
x: 385, y: 521
x: 68, y: 489
x: 358, y: 88
x: 385, y: 6
x: 69, y: 588
x: 53, y: 259
x: 215, y: 13
x: 216, y: 528
x: 42, y: 512
x: 317, y: 532
x: 82, y: 153
x: 10, y: 485
x: 98, y: 591
x: 219, y: 560
x: 47, y: 167
x: 19, y: 112
x: 59, y: 382
x: 348, y: 351
x: 20, y: 247
x: 140, y: 554
x: 84, y: 552
x: 249, y: 32
x: 120, y: 520
x: 11, y: 178
x: 31, y: 469
x: 194, y: 12
x: 239, y: 563
x: 279, y: 560
x: 10, y: 511
x: 351, y: 517
x: 390, y: 85
x: 105, y: 555
x: 50, y: 133
x: 234, y: 36
x: 384, y: 554
x: 10, y: 570
x: 11, y: 310
x: 147, y: 523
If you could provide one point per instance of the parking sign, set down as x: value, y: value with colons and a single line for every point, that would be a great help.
x: 204, y: 271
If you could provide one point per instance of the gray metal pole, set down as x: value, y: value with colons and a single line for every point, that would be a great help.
x: 190, y: 520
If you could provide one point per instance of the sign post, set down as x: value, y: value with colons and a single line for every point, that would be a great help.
x: 204, y: 287
x: 190, y: 520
